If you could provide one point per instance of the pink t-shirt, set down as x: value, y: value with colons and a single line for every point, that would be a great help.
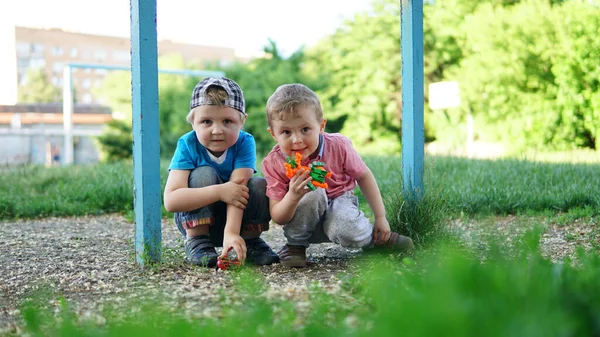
x: 340, y: 158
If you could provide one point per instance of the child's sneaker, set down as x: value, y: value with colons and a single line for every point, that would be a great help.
x: 259, y: 253
x: 293, y: 256
x: 200, y: 251
x: 399, y: 243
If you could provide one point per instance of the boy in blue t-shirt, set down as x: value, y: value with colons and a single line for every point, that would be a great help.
x: 210, y: 186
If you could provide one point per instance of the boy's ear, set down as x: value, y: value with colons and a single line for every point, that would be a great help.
x: 323, y: 123
x: 271, y: 133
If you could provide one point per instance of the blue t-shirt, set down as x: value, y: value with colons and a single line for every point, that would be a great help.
x: 190, y: 154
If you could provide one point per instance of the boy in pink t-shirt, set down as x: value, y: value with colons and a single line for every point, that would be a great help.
x: 296, y: 123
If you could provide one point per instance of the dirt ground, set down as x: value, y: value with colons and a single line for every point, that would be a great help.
x: 90, y: 261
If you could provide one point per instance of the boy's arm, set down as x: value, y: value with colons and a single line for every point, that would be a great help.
x: 369, y: 188
x: 178, y: 197
x: 234, y: 214
x: 282, y: 211
x: 233, y: 224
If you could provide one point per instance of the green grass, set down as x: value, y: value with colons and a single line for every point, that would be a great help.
x: 37, y: 191
x: 503, y: 187
x: 514, y: 187
x: 463, y: 186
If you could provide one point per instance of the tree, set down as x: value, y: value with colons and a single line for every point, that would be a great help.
x: 38, y: 88
x: 116, y: 140
x: 577, y: 76
x: 361, y: 63
x: 530, y: 74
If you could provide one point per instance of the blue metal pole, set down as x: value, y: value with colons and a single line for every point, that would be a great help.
x: 144, y: 102
x: 413, y: 129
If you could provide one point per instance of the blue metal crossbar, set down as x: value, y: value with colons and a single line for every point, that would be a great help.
x: 189, y: 72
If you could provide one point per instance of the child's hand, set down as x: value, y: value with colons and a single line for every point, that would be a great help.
x: 298, y: 183
x: 235, y: 193
x: 381, y: 231
x: 238, y: 244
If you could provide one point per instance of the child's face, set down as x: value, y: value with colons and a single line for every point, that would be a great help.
x: 299, y: 134
x: 217, y: 128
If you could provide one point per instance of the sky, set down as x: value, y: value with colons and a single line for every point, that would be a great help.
x: 245, y: 25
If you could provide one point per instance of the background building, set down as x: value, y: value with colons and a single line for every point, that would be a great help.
x: 8, y: 73
x: 52, y: 49
x: 31, y: 132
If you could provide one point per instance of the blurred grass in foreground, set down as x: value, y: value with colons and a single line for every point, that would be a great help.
x: 439, y: 292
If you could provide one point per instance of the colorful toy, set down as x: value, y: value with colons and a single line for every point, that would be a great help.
x: 224, y: 262
x: 316, y: 168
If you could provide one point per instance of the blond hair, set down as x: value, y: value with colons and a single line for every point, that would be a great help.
x: 288, y: 98
x: 215, y: 95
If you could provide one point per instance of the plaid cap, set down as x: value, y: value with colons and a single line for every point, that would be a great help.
x: 234, y: 92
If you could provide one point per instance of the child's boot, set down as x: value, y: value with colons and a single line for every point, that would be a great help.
x: 398, y: 242
x: 259, y: 253
x: 200, y: 251
x: 293, y: 256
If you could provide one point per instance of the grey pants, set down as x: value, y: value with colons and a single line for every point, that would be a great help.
x: 318, y: 219
x: 256, y: 215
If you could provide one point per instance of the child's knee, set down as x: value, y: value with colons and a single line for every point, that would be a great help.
x: 355, y: 233
x: 351, y: 240
x: 203, y: 176
x: 311, y: 208
x: 254, y: 230
x: 258, y: 187
x: 257, y: 209
x: 314, y: 199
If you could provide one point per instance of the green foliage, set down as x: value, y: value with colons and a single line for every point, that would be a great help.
x: 506, y: 74
x: 528, y: 74
x: 175, y: 93
x: 362, y: 67
x: 452, y: 293
x: 115, y: 90
x: 116, y: 141
x: 577, y: 77
x: 38, y: 88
